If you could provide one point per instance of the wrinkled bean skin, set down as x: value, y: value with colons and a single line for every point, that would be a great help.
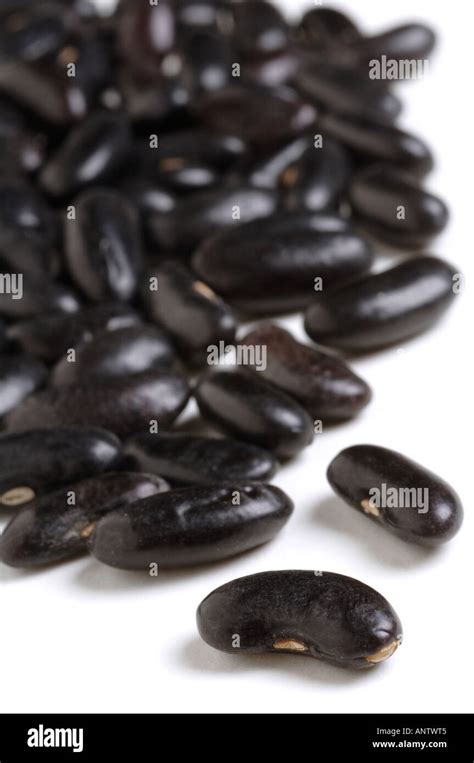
x: 117, y: 353
x: 20, y: 375
x: 40, y: 295
x: 273, y: 272
x: 200, y: 214
x: 380, y: 143
x: 195, y: 525
x: 324, y: 615
x: 91, y: 153
x: 433, y: 520
x: 410, y: 41
x: 41, y: 459
x: 323, y: 384
x: 252, y: 410
x: 124, y: 406
x: 184, y: 459
x: 103, y: 246
x: 260, y: 29
x: 376, y: 195
x: 52, y: 530
x: 51, y: 335
x: 189, y: 310
x: 383, y: 309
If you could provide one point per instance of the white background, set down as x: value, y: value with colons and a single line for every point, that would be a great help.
x: 83, y: 637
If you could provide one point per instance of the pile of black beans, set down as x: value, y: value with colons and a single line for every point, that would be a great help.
x: 168, y: 173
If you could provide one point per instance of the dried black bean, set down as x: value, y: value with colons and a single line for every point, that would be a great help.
x: 103, y: 245
x: 410, y: 41
x: 184, y: 459
x: 324, y: 615
x: 189, y: 310
x: 396, y: 209
x: 196, y: 146
x: 41, y: 459
x: 37, y: 33
x: 194, y: 525
x: 35, y: 295
x: 51, y: 335
x: 90, y: 154
x: 123, y: 406
x: 20, y: 375
x: 260, y: 29
x: 325, y: 27
x: 397, y: 493
x: 56, y: 526
x: 275, y: 270
x: 324, y: 384
x: 116, y: 353
x: 385, y: 308
x: 146, y: 34
x: 208, y: 61
x: 269, y: 170
x: 253, y: 410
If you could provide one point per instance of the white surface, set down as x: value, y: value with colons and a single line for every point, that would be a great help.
x: 83, y: 637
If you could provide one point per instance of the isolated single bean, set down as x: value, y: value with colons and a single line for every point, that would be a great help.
x: 385, y: 308
x: 41, y: 459
x: 323, y: 384
x: 194, y: 525
x: 20, y: 375
x: 394, y: 208
x: 123, y: 406
x: 103, y: 245
x: 253, y: 410
x: 397, y: 493
x: 185, y: 459
x: 188, y: 309
x: 56, y: 526
x: 324, y: 615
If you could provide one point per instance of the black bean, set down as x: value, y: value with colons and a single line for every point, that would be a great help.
x: 208, y: 61
x: 395, y: 208
x: 196, y: 146
x: 324, y: 615
x: 397, y: 493
x: 270, y: 271
x: 260, y: 29
x: 382, y: 143
x: 197, y: 216
x: 90, y: 154
x: 123, y: 406
x: 385, y: 308
x: 116, y: 353
x: 194, y: 525
x: 410, y: 41
x: 192, y: 15
x: 41, y: 459
x: 325, y: 27
x: 268, y: 171
x: 35, y: 34
x: 56, y: 526
x: 145, y: 102
x: 103, y: 245
x: 35, y: 295
x: 20, y: 375
x: 146, y: 34
x: 185, y: 459
x: 148, y: 196
x: 189, y: 310
x: 324, y: 384
x: 51, y: 335
x: 252, y: 410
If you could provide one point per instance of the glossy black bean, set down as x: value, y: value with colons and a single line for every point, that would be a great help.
x: 199, y: 215
x: 212, y: 15
x: 56, y: 527
x: 153, y: 98
x: 51, y: 335
x: 208, y: 61
x: 21, y: 149
x: 324, y: 615
x: 325, y: 27
x: 258, y: 115
x: 38, y: 295
x: 40, y: 459
x: 250, y: 409
x: 385, y: 308
x: 324, y: 384
x: 90, y: 154
x: 348, y: 91
x: 34, y: 34
x: 146, y: 34
x: 198, y: 146
x: 103, y: 245
x: 397, y: 493
x: 260, y: 28
x: 274, y: 271
x: 20, y: 375
x: 316, y: 181
x: 148, y: 196
x: 194, y: 525
x: 410, y: 41
x: 395, y: 208
x: 188, y: 309
x: 266, y: 173
x: 272, y: 71
x: 116, y: 353
x: 382, y: 143
x: 123, y: 406
x: 184, y: 459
